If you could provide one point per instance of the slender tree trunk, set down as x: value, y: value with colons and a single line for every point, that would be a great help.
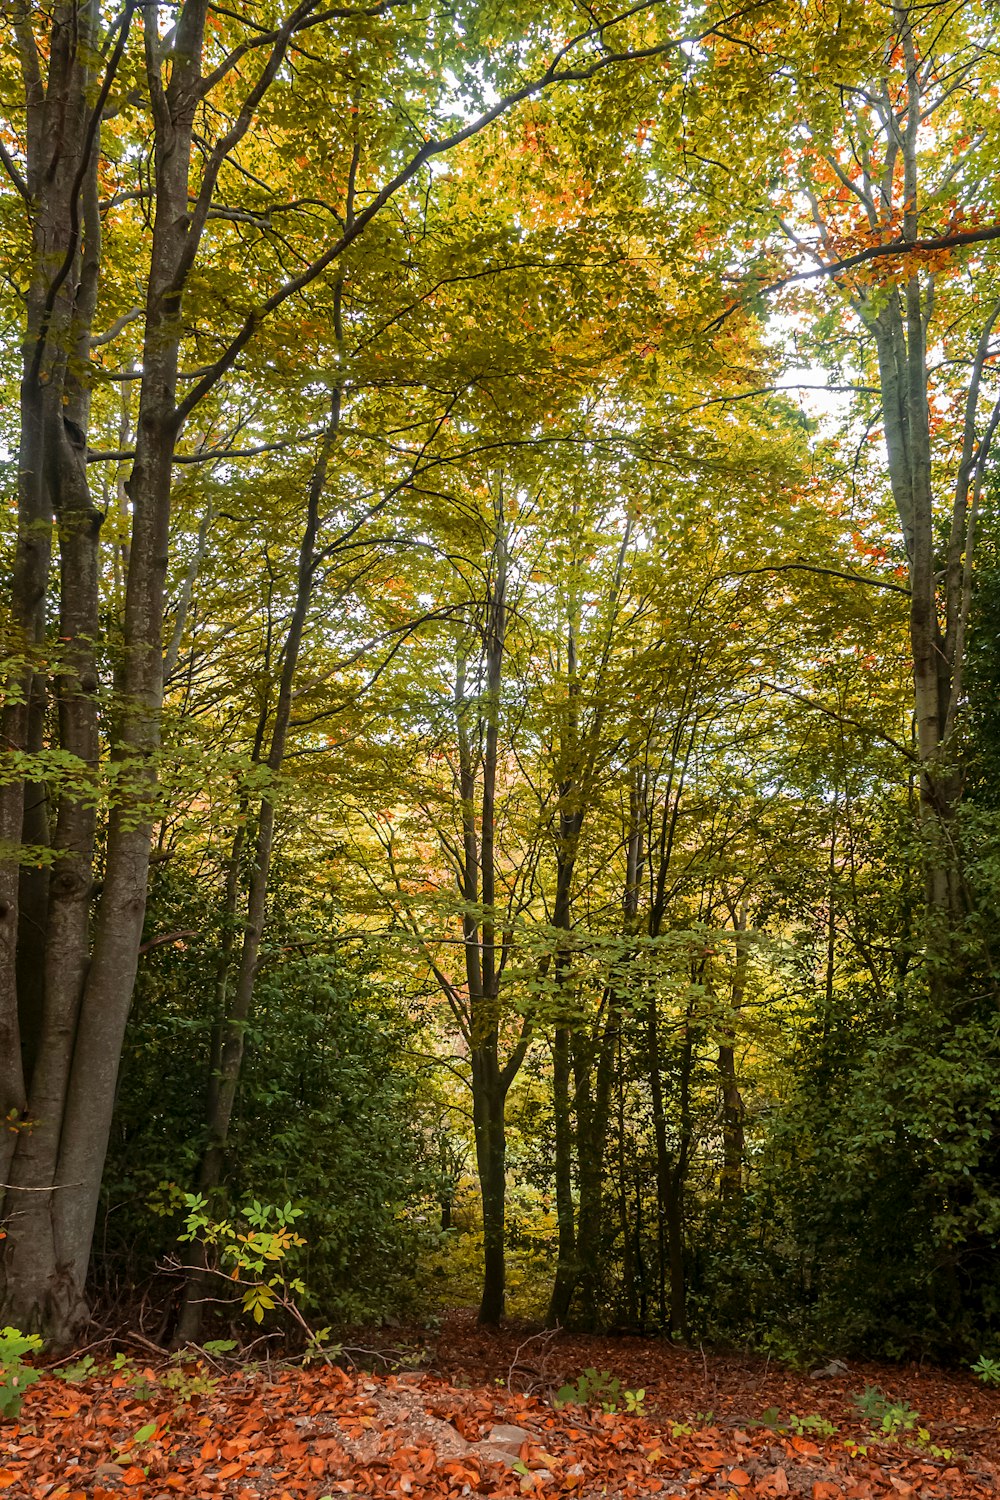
x: 676, y: 1194
x: 491, y: 1161
x: 593, y: 1113
x: 731, y: 1180
x: 594, y: 1089
x: 640, y: 1258
x: 663, y: 1182
x: 566, y: 1264
x: 630, y: 1261
x: 491, y: 1081
x: 236, y: 1014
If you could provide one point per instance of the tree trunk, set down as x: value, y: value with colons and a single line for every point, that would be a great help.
x: 663, y: 1184
x: 676, y: 1186
x: 491, y: 1156
x: 731, y: 1178
x: 631, y: 1261
x: 491, y: 1081
x: 566, y: 1262
x: 41, y: 982
x: 593, y: 1092
x: 939, y: 595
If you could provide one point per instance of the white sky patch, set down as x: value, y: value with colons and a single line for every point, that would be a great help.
x: 811, y: 387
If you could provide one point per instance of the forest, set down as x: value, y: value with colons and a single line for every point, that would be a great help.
x: 500, y: 721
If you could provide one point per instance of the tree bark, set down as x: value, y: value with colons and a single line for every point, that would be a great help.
x: 898, y: 318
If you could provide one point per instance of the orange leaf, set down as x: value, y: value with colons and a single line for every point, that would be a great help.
x: 739, y: 1477
x: 804, y: 1446
x: 134, y: 1475
x: 713, y: 1459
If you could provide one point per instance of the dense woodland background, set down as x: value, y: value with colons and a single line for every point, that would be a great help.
x: 500, y: 730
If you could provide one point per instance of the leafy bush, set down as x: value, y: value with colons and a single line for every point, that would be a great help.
x: 15, y: 1375
x: 327, y: 1117
x: 251, y: 1250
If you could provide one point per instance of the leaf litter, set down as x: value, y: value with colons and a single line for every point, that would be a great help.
x: 479, y: 1419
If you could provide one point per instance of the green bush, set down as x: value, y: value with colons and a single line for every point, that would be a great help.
x: 15, y: 1375
x: 327, y: 1117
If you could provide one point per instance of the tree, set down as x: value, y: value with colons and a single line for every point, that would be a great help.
x: 892, y: 149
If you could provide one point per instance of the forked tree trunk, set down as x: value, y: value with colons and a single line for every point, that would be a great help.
x: 44, y: 946
x: 580, y: 1248
x: 56, y: 1168
x: 898, y: 318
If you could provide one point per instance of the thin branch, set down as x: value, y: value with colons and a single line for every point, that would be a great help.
x: 831, y: 713
x: 210, y: 455
x: 121, y: 322
x: 800, y: 567
x: 10, y: 166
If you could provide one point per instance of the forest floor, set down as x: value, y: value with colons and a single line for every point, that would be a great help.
x: 477, y: 1418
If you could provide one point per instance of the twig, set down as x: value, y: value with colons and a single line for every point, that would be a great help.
x: 546, y: 1336
x: 78, y: 1353
x: 138, y: 1338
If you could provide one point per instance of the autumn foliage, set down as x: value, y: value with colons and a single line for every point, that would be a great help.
x: 710, y: 1426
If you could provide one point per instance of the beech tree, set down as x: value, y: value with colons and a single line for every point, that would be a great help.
x: 891, y: 167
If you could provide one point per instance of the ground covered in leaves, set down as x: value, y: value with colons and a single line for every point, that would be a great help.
x: 480, y: 1416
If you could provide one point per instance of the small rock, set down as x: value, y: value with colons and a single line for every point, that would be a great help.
x: 494, y: 1454
x: 832, y: 1371
x: 508, y: 1437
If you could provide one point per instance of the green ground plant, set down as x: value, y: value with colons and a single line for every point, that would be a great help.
x: 600, y: 1388
x: 15, y: 1375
